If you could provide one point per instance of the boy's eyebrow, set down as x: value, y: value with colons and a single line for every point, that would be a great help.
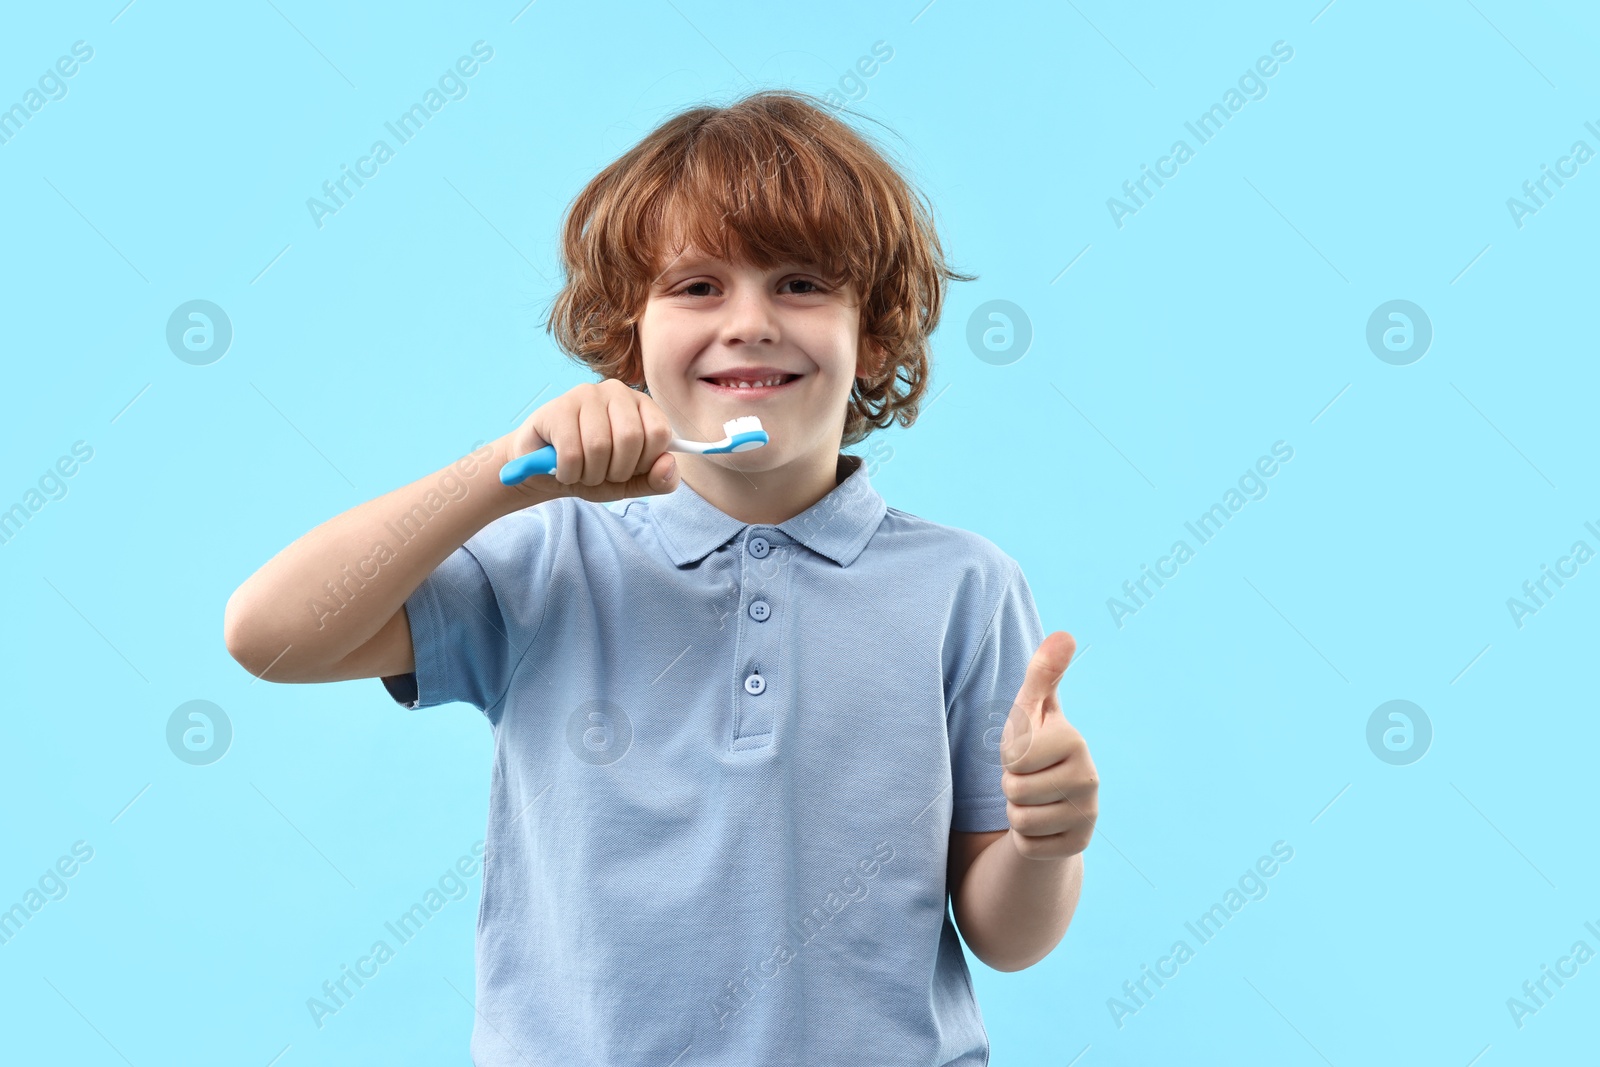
x: 682, y: 260
x: 697, y: 261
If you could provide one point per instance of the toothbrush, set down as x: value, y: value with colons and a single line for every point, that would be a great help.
x: 743, y: 434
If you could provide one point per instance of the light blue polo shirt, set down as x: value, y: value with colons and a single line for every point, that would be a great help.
x: 727, y: 762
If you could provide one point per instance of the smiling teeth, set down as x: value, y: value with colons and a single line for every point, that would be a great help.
x: 738, y: 383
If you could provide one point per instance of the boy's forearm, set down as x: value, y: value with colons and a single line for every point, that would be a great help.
x: 331, y: 590
x: 1013, y: 910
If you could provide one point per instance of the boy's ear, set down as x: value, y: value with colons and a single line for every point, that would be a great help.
x: 636, y: 379
x: 869, y: 360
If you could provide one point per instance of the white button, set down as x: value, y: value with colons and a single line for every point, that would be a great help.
x: 759, y: 547
x: 759, y: 610
x: 755, y: 684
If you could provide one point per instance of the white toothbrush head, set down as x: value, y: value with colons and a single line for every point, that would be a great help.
x: 744, y: 433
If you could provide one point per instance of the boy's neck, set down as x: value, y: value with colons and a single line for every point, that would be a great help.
x: 763, y: 498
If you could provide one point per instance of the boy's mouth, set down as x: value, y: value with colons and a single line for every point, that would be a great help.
x: 752, y: 387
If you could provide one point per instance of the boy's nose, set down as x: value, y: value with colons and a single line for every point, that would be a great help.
x: 749, y: 318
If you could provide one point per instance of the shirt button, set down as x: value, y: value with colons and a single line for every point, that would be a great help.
x: 759, y: 610
x: 755, y: 684
x: 759, y: 547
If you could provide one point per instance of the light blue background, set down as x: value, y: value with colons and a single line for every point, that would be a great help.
x: 1228, y: 314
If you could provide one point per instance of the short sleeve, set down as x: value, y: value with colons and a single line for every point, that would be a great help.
x: 982, y: 702
x: 470, y: 619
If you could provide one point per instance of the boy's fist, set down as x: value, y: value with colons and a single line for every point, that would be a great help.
x: 610, y: 441
x: 1052, y: 788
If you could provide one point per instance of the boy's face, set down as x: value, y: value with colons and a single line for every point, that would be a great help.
x: 707, y: 318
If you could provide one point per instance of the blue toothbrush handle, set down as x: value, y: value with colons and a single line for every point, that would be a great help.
x: 541, y: 461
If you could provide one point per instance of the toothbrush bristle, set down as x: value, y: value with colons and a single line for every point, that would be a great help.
x: 743, y: 424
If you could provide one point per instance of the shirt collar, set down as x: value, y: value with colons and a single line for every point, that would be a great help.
x: 837, y: 526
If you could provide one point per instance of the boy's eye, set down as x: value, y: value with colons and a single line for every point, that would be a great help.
x: 697, y: 288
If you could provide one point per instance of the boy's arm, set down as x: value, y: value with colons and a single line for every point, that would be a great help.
x: 331, y: 606
x: 1011, y: 910
x: 965, y: 847
x: 1019, y: 890
x: 286, y: 623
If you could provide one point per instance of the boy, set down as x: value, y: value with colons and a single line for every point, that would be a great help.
x: 746, y: 729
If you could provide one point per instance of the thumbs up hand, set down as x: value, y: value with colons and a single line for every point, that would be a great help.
x: 1051, y: 785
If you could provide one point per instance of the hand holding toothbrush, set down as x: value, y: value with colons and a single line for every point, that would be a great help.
x: 606, y: 442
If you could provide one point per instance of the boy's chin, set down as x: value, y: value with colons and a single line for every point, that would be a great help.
x: 768, y: 457
x: 757, y: 459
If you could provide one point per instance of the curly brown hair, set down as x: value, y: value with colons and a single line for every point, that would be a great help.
x: 773, y: 178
